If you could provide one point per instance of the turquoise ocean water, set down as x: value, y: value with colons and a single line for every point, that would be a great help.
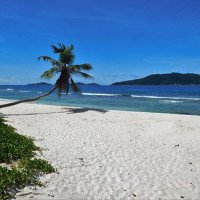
x: 161, y: 99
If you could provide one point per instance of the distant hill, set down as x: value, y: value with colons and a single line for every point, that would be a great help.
x: 165, y: 79
x: 80, y: 83
x: 41, y: 83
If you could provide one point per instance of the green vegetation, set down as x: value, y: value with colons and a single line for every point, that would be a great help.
x: 14, y: 146
x: 165, y: 79
x: 65, y: 67
x: 38, y: 84
x: 91, y: 84
x: 18, y: 167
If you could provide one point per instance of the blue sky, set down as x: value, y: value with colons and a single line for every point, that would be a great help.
x: 122, y: 39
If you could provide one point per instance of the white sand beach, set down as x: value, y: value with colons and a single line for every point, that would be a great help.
x: 111, y: 154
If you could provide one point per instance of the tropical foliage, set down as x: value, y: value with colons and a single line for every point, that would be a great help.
x: 18, y: 167
x: 64, y: 66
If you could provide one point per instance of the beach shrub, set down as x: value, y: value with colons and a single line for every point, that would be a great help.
x: 36, y: 165
x: 18, y: 167
x: 14, y: 146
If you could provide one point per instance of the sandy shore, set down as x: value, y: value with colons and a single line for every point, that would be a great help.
x: 112, y: 154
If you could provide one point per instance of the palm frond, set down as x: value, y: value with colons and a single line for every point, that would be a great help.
x: 75, y: 68
x: 62, y: 46
x: 56, y: 49
x: 71, y: 48
x: 51, y: 60
x: 74, y: 86
x: 86, y: 66
x: 50, y: 73
x: 85, y: 75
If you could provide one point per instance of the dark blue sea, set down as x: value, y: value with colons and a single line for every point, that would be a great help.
x: 160, y: 99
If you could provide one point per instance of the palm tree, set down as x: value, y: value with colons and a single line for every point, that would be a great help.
x: 64, y: 66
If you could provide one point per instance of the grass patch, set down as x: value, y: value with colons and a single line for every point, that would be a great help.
x: 21, y: 168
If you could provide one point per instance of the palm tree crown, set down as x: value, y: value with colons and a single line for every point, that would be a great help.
x: 64, y: 66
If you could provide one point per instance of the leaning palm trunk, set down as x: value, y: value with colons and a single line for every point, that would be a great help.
x: 63, y: 82
x: 28, y: 100
x: 65, y: 68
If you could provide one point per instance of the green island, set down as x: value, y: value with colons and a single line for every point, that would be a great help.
x: 44, y: 84
x: 90, y: 84
x: 164, y: 79
x: 18, y: 165
x: 39, y: 84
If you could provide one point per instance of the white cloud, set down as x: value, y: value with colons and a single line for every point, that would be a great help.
x: 11, y: 80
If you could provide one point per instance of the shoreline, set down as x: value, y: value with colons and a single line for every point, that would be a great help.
x: 89, y: 108
x: 102, y: 154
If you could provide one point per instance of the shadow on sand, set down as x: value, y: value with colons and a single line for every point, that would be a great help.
x: 64, y: 110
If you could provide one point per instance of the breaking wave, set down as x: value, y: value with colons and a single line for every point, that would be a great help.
x: 166, y: 99
x: 172, y: 99
x: 175, y: 98
x: 25, y: 91
x: 99, y: 94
